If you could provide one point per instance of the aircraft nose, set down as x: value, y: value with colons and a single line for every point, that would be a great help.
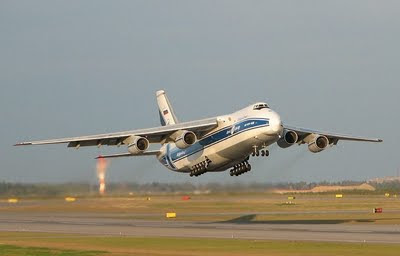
x: 275, y: 123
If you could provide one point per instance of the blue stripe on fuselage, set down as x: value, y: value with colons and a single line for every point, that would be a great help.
x: 176, y: 154
x: 169, y: 159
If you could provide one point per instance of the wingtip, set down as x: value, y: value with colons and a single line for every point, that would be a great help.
x: 99, y: 156
x: 22, y: 144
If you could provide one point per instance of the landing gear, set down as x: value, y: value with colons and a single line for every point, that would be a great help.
x: 240, y: 168
x: 262, y: 152
x: 200, y: 168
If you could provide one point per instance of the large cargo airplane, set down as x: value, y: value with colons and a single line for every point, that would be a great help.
x: 209, y: 145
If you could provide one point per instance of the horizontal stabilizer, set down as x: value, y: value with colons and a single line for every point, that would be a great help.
x: 147, y: 153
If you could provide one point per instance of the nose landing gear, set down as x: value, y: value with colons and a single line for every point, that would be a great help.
x: 262, y: 152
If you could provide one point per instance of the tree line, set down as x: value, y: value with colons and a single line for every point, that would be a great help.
x: 8, y: 189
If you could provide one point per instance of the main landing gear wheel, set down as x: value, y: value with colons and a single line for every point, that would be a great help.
x: 240, y: 168
x: 200, y: 168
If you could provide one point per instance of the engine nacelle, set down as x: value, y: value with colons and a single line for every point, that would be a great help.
x: 288, y: 139
x: 137, y: 145
x: 185, y: 138
x: 318, y: 143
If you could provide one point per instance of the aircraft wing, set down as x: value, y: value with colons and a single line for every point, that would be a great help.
x: 146, y: 153
x: 333, y: 137
x: 154, y: 135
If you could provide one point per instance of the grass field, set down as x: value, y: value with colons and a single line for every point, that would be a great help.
x: 12, y: 250
x: 227, y: 207
x: 204, y: 203
x: 244, y: 208
x: 16, y: 244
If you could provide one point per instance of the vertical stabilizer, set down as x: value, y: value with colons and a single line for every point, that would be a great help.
x: 167, y: 115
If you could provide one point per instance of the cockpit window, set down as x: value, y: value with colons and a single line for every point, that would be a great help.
x: 260, y: 106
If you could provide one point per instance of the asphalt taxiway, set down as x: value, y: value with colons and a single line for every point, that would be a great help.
x: 100, y: 225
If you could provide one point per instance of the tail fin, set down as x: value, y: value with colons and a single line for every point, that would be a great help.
x: 167, y: 115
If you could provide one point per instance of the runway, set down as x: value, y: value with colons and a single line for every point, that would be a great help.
x: 100, y: 225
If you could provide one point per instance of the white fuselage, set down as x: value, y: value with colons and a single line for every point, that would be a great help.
x: 231, y: 142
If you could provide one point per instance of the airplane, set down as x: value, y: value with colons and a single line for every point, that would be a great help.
x: 209, y: 145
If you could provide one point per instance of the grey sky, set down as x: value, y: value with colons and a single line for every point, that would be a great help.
x: 72, y: 68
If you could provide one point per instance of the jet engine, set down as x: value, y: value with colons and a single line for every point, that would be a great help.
x: 318, y: 143
x: 288, y: 139
x: 185, y: 138
x: 137, y: 145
